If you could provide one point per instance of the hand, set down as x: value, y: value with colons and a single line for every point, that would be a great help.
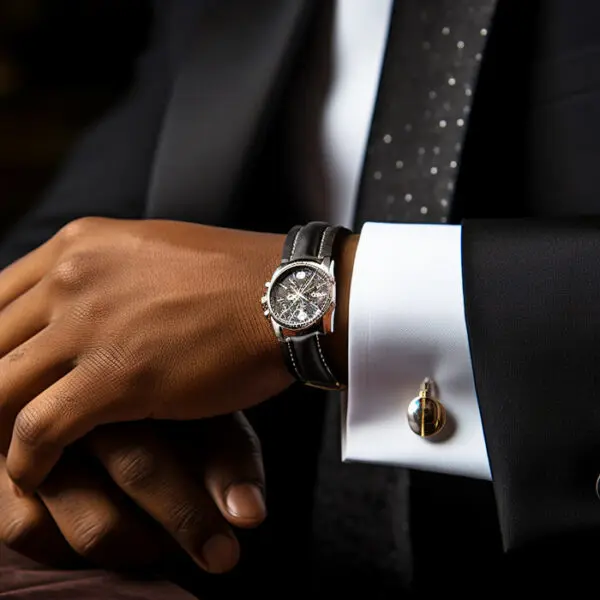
x: 192, y: 479
x: 114, y: 321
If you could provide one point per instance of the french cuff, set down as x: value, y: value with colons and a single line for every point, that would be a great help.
x: 407, y: 323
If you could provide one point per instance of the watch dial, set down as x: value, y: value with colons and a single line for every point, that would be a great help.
x: 300, y: 297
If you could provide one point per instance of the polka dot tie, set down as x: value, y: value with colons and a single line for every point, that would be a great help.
x: 431, y: 65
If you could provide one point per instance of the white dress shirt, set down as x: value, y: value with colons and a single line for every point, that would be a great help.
x: 406, y: 306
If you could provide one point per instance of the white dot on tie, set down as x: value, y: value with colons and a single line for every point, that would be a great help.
x: 426, y: 46
x: 444, y: 219
x: 460, y: 45
x: 421, y: 151
x: 408, y: 127
x: 450, y: 186
x: 468, y: 92
x: 434, y: 170
x: 467, y: 109
x: 443, y: 123
x: 458, y: 146
x: 478, y: 56
x: 387, y: 138
x: 377, y: 175
x: 424, y: 210
x: 399, y: 164
x: 451, y: 81
x: 444, y: 202
x: 484, y: 32
x: 446, y: 31
x: 408, y: 197
x: 447, y: 106
x: 436, y: 150
x: 433, y: 94
x: 460, y: 122
x: 453, y: 164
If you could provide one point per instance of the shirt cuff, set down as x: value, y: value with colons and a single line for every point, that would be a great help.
x: 406, y: 323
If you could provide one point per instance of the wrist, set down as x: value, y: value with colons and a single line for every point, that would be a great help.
x: 336, y: 344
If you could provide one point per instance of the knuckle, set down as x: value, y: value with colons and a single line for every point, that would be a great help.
x: 93, y: 534
x: 136, y: 468
x: 110, y: 358
x: 73, y: 271
x: 77, y: 229
x: 28, y: 428
x: 85, y: 312
x: 19, y: 531
x: 189, y: 520
x: 122, y: 368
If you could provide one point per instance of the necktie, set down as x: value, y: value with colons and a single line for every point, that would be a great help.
x: 433, y: 54
x: 434, y: 51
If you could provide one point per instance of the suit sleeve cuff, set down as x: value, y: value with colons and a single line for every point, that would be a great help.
x: 406, y: 323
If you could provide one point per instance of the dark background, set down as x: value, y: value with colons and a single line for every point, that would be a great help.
x: 62, y: 64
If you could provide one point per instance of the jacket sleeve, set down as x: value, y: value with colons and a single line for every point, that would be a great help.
x: 532, y: 298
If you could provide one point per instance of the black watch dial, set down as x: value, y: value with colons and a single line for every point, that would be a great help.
x: 300, y: 296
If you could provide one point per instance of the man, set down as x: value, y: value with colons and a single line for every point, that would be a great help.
x: 218, y: 142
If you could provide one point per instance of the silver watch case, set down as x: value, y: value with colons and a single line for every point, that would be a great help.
x: 321, y: 324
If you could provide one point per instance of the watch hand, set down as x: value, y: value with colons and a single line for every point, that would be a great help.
x: 309, y: 282
x: 309, y: 301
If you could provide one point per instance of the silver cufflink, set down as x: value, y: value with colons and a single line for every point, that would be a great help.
x: 426, y: 414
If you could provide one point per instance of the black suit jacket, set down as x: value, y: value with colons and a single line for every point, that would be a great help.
x: 199, y: 138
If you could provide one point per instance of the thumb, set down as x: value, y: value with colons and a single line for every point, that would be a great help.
x: 234, y: 473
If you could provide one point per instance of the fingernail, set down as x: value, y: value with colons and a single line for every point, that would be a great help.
x: 246, y: 501
x: 221, y: 553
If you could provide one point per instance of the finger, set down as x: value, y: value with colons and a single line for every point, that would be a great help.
x: 24, y: 273
x: 96, y: 519
x: 234, y: 473
x: 58, y: 417
x: 27, y: 527
x: 23, y: 318
x: 26, y: 372
x: 145, y: 468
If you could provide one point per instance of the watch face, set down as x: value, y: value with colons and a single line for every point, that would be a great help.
x: 300, y: 296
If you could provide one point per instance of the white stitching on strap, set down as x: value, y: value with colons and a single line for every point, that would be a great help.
x: 291, y: 352
x: 294, y: 244
x: 337, y: 383
x: 320, y: 254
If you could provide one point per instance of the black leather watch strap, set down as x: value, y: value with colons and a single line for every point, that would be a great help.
x: 306, y: 360
x: 304, y: 354
x: 302, y: 243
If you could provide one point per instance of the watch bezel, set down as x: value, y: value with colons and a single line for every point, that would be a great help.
x: 280, y: 273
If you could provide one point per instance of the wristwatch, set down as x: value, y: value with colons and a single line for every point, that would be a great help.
x: 300, y: 301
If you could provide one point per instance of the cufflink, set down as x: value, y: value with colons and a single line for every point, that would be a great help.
x: 598, y: 486
x: 426, y: 414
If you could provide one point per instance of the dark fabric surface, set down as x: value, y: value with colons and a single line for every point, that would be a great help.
x: 22, y: 579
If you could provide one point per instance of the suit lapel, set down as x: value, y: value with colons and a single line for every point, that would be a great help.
x: 221, y: 96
